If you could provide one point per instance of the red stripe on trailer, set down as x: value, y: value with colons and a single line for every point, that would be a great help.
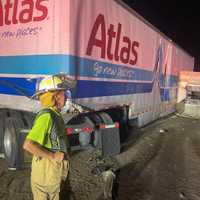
x: 116, y: 124
x: 87, y: 129
x: 104, y: 126
x: 69, y: 131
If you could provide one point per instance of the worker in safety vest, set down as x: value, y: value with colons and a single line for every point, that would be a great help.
x: 47, y: 141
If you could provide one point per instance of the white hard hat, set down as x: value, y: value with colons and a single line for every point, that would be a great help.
x: 51, y: 83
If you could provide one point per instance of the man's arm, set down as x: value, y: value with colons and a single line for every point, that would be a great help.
x: 38, y: 150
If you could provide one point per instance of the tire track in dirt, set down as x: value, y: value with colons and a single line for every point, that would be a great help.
x: 174, y: 172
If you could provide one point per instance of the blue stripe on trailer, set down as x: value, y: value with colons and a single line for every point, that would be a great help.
x: 17, y: 86
x: 84, y: 89
x: 165, y: 94
x: 82, y: 67
x: 76, y: 66
x: 99, y: 69
x: 34, y: 64
x: 168, y: 81
x: 72, y: 65
x: 87, y: 89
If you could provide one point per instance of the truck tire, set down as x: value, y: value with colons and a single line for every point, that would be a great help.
x: 106, y: 119
x: 124, y: 128
x: 97, y: 142
x: 81, y: 139
x: 85, y: 138
x: 13, y: 141
x: 2, y: 127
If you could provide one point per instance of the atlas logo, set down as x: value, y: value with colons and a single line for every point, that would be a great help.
x: 112, y: 44
x: 22, y: 11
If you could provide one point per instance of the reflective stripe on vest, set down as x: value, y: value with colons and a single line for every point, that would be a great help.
x: 57, y: 134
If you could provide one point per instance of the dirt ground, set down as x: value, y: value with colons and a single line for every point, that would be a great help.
x: 161, y: 164
x: 172, y: 172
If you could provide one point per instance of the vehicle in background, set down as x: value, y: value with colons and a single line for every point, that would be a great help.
x: 124, y: 71
x: 189, y: 93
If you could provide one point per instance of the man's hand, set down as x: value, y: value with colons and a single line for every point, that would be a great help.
x: 58, y: 156
x: 38, y: 150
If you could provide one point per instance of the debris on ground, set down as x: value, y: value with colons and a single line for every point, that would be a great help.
x: 155, y: 166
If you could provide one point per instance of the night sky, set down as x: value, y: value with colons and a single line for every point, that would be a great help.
x: 179, y: 20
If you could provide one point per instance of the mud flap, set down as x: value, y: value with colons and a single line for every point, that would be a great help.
x: 110, y: 141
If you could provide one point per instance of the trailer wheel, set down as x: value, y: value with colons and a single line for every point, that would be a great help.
x: 124, y: 128
x: 106, y: 119
x: 84, y: 137
x: 13, y: 143
x: 97, y: 143
x: 2, y: 127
